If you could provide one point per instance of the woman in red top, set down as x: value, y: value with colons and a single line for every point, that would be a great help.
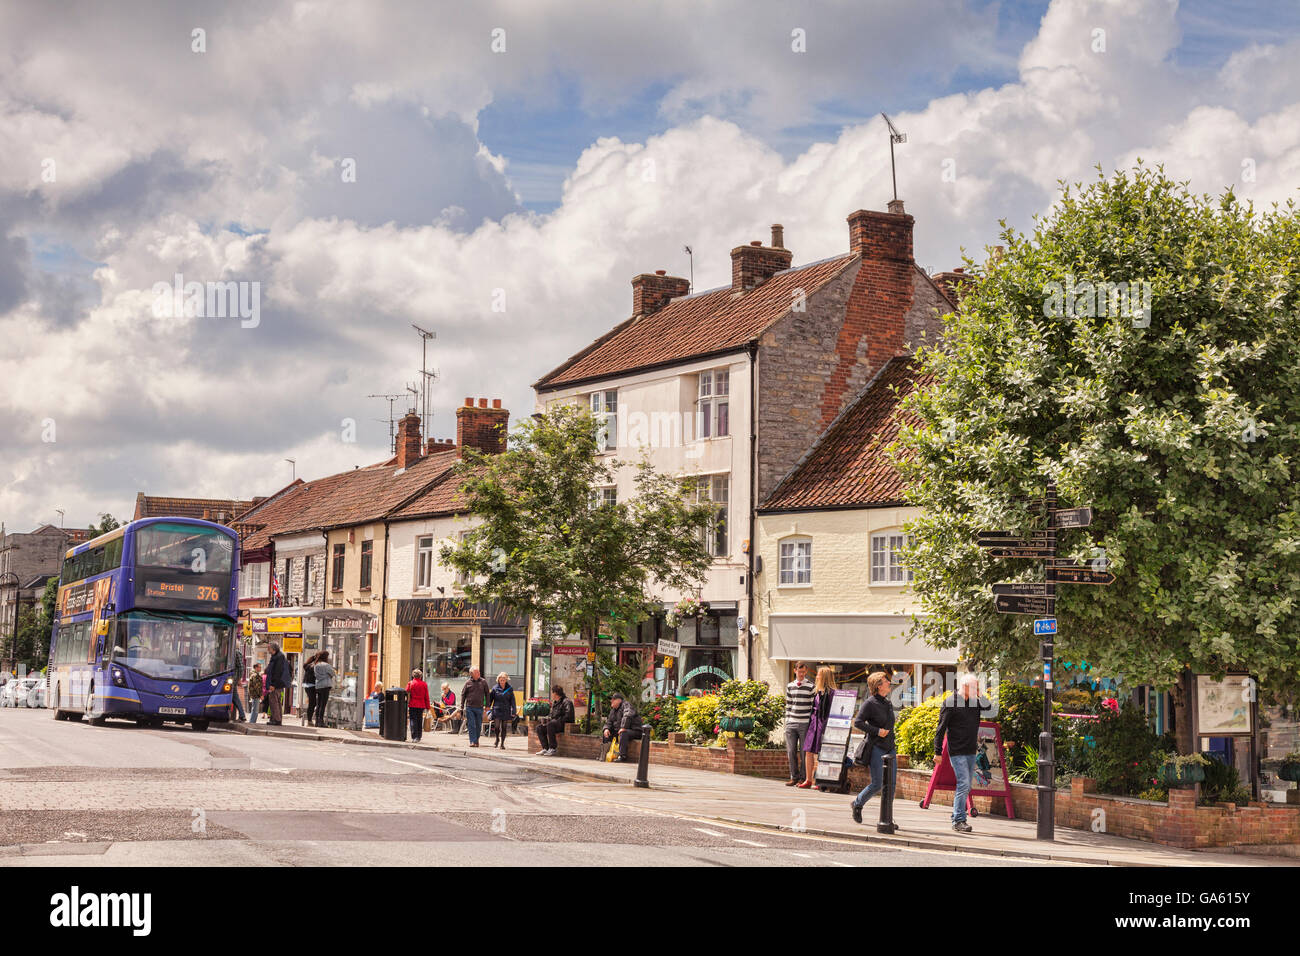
x: 418, y: 693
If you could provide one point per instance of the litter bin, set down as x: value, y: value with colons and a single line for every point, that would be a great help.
x: 393, y: 714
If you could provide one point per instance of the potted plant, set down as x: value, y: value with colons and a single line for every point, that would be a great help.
x: 537, y: 707
x: 1290, y: 769
x: 734, y: 722
x: 1181, y: 770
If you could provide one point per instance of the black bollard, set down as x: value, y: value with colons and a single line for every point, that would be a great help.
x: 886, y: 824
x: 643, y: 760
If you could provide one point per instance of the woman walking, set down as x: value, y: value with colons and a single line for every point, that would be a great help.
x: 325, y: 675
x: 821, y: 711
x: 417, y: 692
x: 501, y: 700
x: 309, y: 690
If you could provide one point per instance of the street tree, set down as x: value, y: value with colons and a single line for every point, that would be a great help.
x: 106, y: 524
x: 547, y: 544
x: 1142, y: 348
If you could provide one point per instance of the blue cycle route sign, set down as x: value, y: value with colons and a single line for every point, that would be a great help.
x: 1045, y: 625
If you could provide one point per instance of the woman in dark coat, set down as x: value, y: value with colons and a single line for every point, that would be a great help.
x: 821, y: 711
x: 501, y: 704
x: 309, y: 689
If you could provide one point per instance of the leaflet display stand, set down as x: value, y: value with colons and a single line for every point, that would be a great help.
x: 835, y: 740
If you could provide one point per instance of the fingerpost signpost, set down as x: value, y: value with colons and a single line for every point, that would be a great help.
x: 1039, y: 599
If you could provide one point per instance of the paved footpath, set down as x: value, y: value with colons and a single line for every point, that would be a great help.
x: 703, y: 796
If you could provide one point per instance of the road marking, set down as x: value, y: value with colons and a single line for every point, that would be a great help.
x: 749, y: 842
x: 709, y: 832
x: 838, y: 863
x: 421, y: 767
x: 806, y: 856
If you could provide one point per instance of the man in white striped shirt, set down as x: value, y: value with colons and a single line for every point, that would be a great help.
x: 798, y: 711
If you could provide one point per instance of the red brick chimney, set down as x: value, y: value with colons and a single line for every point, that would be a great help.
x: 482, y: 427
x: 755, y: 263
x: 650, y: 293
x: 882, y: 235
x: 408, y: 440
x: 955, y: 284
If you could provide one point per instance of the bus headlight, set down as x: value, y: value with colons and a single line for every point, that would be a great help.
x: 226, y: 687
x: 118, y: 677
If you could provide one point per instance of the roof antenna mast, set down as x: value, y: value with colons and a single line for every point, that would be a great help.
x: 894, y: 137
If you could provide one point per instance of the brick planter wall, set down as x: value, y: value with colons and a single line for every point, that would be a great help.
x: 1180, y: 822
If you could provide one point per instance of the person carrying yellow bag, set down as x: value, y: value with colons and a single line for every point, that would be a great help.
x: 621, y: 728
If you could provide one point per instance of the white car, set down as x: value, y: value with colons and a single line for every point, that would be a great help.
x: 23, y: 692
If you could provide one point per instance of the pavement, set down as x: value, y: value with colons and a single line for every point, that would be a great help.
x: 704, y: 796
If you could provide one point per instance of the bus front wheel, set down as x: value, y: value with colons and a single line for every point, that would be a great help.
x: 96, y: 720
x: 200, y: 725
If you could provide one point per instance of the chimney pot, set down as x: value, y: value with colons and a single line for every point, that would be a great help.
x: 482, y: 403
x: 496, y: 403
x: 895, y: 206
x: 482, y: 428
x: 756, y: 242
x: 752, y: 264
x: 469, y: 402
x: 661, y: 272
x: 778, y: 236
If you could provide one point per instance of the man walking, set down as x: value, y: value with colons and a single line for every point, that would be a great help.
x: 472, y: 698
x: 254, y: 693
x: 624, y: 723
x: 959, y: 718
x: 277, y: 679
x: 798, y: 708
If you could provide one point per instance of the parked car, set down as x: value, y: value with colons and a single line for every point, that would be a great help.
x: 23, y: 692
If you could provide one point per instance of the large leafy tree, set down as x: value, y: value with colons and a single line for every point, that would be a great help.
x: 1180, y: 425
x: 547, y: 544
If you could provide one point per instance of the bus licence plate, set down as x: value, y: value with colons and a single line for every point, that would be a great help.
x: 171, y: 710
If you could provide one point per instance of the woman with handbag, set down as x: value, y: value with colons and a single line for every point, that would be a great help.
x: 876, y: 721
x: 325, y: 675
x: 821, y: 712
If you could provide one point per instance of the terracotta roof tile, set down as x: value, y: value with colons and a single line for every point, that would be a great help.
x: 847, y: 466
x: 350, y: 497
x: 694, y: 325
x: 153, y: 506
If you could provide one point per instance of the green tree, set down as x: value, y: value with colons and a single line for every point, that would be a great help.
x: 1179, y: 424
x: 547, y: 545
x: 106, y: 524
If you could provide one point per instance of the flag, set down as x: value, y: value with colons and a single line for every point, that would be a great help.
x: 275, y: 589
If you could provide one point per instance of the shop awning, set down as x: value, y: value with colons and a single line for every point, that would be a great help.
x: 836, y: 638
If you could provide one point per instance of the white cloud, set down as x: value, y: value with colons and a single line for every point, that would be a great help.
x: 204, y: 407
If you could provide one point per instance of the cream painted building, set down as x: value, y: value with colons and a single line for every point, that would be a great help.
x: 833, y: 588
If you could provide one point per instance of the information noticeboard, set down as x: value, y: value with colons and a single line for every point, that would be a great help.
x: 990, y: 777
x: 835, y: 739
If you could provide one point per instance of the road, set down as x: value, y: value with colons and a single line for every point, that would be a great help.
x: 123, y: 795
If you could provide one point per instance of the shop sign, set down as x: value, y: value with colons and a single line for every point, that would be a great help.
x: 504, y: 659
x: 259, y: 625
x: 345, y: 624
x: 284, y: 625
x: 706, y: 669
x: 457, y: 611
x: 292, y: 645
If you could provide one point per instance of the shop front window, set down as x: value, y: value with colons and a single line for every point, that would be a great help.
x: 705, y: 669
x: 504, y: 654
x: 345, y: 655
x: 441, y: 652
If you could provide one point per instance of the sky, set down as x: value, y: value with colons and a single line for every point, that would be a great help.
x: 497, y: 173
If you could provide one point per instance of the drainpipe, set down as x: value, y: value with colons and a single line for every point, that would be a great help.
x: 753, y: 480
x: 383, y: 609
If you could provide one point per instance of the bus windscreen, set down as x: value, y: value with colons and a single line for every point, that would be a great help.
x: 183, y: 547
x: 172, y: 647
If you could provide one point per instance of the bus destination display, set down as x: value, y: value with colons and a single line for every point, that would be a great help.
x: 184, y: 591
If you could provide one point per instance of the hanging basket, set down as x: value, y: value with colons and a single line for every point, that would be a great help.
x: 736, y: 725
